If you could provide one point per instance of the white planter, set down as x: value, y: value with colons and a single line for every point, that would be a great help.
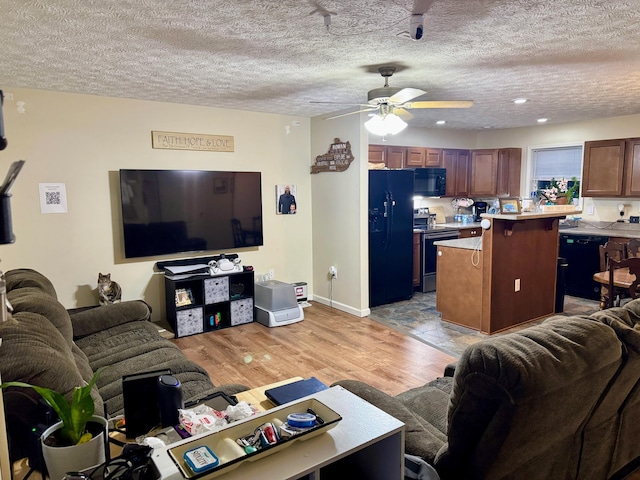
x: 60, y: 460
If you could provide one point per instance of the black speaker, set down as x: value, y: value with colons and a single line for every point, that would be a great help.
x: 169, y: 399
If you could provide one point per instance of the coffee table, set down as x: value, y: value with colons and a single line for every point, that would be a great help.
x: 257, y: 397
x: 366, y: 443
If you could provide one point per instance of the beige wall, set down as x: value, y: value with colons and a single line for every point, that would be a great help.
x: 83, y: 141
x: 567, y: 134
x: 340, y: 236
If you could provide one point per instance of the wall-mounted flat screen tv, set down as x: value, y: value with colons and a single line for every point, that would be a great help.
x: 176, y: 211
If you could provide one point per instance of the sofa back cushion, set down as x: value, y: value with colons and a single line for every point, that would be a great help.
x: 27, y: 277
x: 520, y: 401
x: 35, y: 352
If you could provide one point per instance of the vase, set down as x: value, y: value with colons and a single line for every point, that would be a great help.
x: 60, y: 460
x: 562, y: 200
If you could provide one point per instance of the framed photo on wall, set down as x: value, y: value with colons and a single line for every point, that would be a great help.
x: 510, y: 205
x: 286, y: 203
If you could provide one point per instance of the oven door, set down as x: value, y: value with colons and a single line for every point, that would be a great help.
x: 429, y: 255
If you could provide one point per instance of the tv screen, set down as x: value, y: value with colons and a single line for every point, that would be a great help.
x: 176, y: 211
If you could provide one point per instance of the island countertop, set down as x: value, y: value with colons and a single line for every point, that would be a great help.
x: 470, y: 243
x: 530, y: 215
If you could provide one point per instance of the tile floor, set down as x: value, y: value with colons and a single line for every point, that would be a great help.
x: 418, y: 318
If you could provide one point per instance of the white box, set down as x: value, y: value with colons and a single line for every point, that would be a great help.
x: 278, y: 318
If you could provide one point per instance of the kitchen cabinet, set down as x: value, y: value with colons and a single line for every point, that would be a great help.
x: 495, y: 172
x: 420, y: 157
x: 456, y: 163
x: 509, y: 166
x: 470, y: 232
x: 377, y: 154
x: 603, y: 168
x: 483, y: 179
x: 391, y: 155
x: 632, y: 168
x: 416, y: 259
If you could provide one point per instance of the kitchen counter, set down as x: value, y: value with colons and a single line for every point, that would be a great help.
x: 471, y: 243
x: 621, y: 230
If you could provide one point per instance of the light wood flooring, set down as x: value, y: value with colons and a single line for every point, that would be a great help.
x: 328, y: 344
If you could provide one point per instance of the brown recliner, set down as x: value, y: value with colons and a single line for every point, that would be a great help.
x: 520, y: 405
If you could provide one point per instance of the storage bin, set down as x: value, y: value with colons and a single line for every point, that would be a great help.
x: 189, y: 322
x: 216, y: 290
x: 241, y: 311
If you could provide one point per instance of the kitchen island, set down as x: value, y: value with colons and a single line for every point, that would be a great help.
x: 504, y: 278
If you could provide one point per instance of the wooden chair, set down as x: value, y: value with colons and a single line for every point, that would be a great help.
x: 633, y: 279
x: 615, y: 251
x: 633, y: 248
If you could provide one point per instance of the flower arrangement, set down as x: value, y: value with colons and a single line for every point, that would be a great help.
x: 561, y: 188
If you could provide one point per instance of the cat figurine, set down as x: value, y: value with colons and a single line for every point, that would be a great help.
x: 109, y: 291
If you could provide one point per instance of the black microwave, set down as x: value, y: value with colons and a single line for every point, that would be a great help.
x: 430, y: 182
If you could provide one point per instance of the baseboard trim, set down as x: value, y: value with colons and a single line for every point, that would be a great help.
x: 341, y: 306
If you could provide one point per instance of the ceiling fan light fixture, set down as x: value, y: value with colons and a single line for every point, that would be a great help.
x: 441, y: 122
x: 389, y: 124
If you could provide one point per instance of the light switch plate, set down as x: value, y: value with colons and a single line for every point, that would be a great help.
x: 590, y: 210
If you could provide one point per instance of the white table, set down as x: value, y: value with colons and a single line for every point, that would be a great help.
x: 366, y: 443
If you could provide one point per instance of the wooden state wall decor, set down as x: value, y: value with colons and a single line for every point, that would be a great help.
x: 191, y: 141
x: 337, y: 159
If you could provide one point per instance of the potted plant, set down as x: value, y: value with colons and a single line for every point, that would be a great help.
x: 78, y: 440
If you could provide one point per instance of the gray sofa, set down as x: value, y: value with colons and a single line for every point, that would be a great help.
x: 43, y: 344
x: 559, y: 400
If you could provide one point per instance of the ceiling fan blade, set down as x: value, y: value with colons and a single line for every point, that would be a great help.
x: 405, y: 95
x: 402, y: 113
x: 342, y: 103
x: 351, y: 113
x: 440, y: 104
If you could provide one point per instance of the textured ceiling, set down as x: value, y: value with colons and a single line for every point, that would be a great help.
x: 573, y: 59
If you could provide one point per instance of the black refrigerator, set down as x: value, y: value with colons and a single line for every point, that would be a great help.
x: 390, y: 236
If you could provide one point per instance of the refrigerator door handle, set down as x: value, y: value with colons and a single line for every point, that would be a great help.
x: 389, y: 206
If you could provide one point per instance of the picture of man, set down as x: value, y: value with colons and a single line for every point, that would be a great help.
x: 286, y: 200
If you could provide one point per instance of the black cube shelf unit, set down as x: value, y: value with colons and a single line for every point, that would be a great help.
x: 203, y: 303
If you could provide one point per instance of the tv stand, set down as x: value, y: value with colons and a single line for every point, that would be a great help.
x: 198, y: 303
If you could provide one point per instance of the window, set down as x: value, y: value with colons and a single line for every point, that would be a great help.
x: 555, y: 162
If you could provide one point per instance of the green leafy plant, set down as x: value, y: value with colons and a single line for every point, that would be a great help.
x: 74, y: 414
x: 574, y: 190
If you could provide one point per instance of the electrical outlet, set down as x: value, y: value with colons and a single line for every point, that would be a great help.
x: 517, y: 285
x: 590, y: 210
x: 272, y: 274
x: 333, y: 271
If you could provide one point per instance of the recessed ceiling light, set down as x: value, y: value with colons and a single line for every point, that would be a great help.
x: 441, y: 122
x: 520, y: 101
x: 487, y: 126
x: 542, y: 120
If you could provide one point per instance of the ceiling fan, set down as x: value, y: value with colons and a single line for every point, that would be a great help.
x: 398, y: 101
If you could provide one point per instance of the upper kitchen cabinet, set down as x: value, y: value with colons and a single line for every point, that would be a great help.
x: 419, y: 157
x: 495, y: 172
x: 483, y: 179
x: 392, y: 156
x: 509, y: 166
x: 456, y: 162
x: 632, y: 168
x: 603, y: 169
x: 377, y: 154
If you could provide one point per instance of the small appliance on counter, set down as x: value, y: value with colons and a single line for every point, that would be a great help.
x: 478, y: 209
x: 276, y: 304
